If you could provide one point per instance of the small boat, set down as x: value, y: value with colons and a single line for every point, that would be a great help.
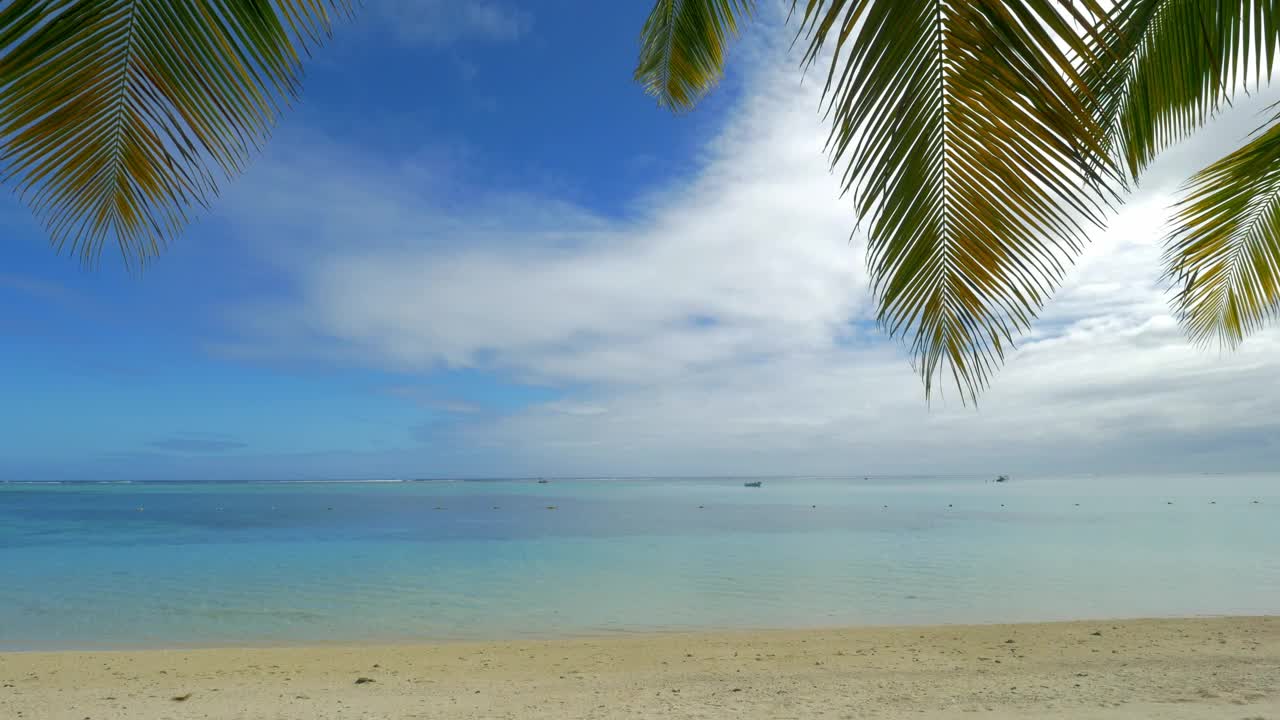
x: 1002, y: 478
x: 542, y: 481
x: 757, y: 483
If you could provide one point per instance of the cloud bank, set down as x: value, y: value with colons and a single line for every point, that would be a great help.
x: 723, y: 324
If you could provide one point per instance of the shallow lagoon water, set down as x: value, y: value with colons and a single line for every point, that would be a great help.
x: 170, y: 564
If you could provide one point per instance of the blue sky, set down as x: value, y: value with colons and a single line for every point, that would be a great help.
x: 476, y: 248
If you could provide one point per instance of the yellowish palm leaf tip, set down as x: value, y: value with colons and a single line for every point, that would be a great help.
x: 118, y: 117
x: 683, y: 48
x: 973, y: 154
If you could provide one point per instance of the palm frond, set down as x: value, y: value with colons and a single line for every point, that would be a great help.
x: 972, y: 149
x: 683, y: 47
x: 116, y: 116
x: 1175, y: 63
x: 1224, y: 250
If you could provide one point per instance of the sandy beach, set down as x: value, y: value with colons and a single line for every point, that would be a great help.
x: 1196, y: 668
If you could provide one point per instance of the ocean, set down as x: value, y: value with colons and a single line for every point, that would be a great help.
x: 139, y: 565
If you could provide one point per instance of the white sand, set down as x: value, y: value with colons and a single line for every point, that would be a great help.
x: 1226, y: 668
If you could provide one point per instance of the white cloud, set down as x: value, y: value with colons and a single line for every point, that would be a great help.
x: 440, y: 23
x: 723, y: 325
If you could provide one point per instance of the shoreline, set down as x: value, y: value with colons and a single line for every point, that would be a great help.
x: 614, y: 636
x: 1221, y: 667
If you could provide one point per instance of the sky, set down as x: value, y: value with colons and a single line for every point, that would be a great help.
x: 475, y: 248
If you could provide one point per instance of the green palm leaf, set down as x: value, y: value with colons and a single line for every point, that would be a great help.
x: 1224, y: 251
x: 683, y: 48
x: 1175, y: 63
x: 969, y: 147
x: 116, y: 116
x: 1180, y: 63
x: 973, y: 151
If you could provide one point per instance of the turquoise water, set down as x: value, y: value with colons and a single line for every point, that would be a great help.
x: 143, y: 565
